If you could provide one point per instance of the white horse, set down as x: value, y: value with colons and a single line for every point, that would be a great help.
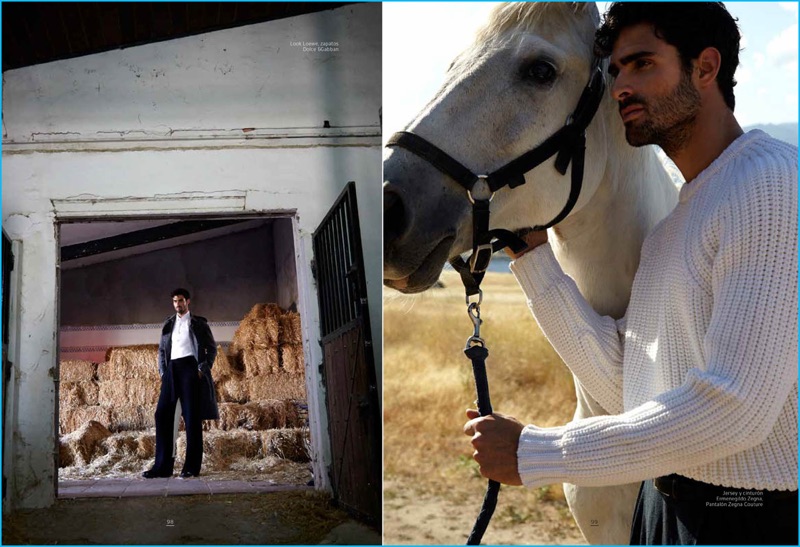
x: 513, y: 88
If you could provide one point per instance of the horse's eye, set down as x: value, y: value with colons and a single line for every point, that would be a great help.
x: 540, y: 72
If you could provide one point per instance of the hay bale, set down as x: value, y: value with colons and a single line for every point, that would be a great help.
x: 275, y: 414
x: 133, y: 417
x: 121, y: 445
x: 143, y: 391
x: 86, y: 442
x: 296, y: 414
x: 260, y: 327
x: 301, y: 410
x: 65, y: 458
x: 232, y: 390
x: 228, y: 417
x: 250, y: 360
x: 292, y: 359
x: 104, y: 370
x: 261, y: 415
x: 257, y: 416
x: 71, y: 419
x: 75, y: 394
x: 260, y: 361
x: 227, y: 445
x: 134, y: 391
x: 251, y: 329
x: 221, y: 448
x: 288, y: 444
x: 224, y: 367
x: 238, y: 344
x: 146, y: 446
x: 235, y: 360
x: 234, y: 416
x: 268, y: 325
x: 139, y: 361
x: 277, y: 386
x: 291, y: 331
x: 113, y: 392
x: 76, y: 371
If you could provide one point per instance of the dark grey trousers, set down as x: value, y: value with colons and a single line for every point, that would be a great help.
x: 701, y: 514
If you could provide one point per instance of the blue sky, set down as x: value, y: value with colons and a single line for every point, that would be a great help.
x: 421, y: 38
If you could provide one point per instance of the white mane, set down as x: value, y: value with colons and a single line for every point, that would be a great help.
x: 543, y: 18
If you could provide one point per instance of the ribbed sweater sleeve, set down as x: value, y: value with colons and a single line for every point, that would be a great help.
x: 713, y: 393
x: 591, y: 345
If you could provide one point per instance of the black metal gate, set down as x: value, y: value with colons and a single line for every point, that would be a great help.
x: 348, y: 367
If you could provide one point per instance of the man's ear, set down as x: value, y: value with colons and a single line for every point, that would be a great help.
x: 707, y: 66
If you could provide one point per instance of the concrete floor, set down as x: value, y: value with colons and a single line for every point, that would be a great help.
x: 173, y: 486
x: 194, y: 511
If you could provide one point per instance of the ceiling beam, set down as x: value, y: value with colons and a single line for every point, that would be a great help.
x: 141, y: 237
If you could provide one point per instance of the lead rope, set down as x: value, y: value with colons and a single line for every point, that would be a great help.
x: 477, y: 352
x: 472, y: 272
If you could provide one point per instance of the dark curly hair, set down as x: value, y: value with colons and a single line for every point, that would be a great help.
x: 688, y: 26
x: 180, y: 292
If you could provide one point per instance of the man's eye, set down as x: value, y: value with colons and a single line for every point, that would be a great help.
x: 540, y: 72
x: 642, y: 63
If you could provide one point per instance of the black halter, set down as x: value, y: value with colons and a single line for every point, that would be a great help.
x: 569, y: 143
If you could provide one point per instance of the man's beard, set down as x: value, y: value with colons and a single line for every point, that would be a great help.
x: 668, y: 120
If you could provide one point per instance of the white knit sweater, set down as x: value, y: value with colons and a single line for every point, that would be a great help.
x: 702, y: 371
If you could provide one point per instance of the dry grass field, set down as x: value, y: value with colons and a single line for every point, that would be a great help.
x: 432, y: 487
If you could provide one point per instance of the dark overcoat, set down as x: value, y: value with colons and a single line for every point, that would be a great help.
x: 205, y: 351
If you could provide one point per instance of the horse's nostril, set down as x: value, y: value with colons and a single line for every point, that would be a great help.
x: 394, y: 216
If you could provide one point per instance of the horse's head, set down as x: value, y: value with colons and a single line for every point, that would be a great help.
x: 511, y: 90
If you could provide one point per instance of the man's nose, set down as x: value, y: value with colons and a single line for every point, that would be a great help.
x: 621, y: 88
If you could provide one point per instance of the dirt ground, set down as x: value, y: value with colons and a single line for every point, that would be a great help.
x: 247, y: 519
x: 419, y: 519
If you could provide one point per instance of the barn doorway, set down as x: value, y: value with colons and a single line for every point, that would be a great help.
x: 115, y: 280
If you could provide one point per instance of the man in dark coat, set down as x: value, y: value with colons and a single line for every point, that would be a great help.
x: 186, y: 353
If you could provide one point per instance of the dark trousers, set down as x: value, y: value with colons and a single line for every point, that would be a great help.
x: 689, y: 512
x: 182, y: 384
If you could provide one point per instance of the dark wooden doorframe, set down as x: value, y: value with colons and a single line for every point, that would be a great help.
x: 8, y: 267
x: 349, y: 376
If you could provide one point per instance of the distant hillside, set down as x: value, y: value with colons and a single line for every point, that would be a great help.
x: 786, y: 132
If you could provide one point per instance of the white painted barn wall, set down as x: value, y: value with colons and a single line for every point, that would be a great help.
x: 247, y: 77
x: 222, y: 123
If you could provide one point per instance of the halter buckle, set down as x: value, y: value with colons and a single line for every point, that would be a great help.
x: 481, y: 256
x: 480, y: 190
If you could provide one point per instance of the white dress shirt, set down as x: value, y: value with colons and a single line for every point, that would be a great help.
x: 181, y: 338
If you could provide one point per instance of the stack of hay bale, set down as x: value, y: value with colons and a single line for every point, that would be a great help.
x: 261, y: 389
x: 260, y: 393
x: 266, y: 356
x: 79, y: 395
x: 120, y: 393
